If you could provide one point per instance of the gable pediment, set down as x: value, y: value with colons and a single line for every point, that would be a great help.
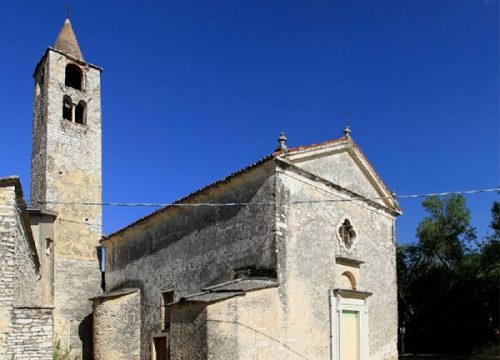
x: 342, y: 163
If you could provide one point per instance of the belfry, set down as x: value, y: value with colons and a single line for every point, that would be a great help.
x: 66, y: 172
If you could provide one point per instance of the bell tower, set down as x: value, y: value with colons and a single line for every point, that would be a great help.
x: 66, y: 177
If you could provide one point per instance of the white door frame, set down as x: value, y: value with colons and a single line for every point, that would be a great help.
x: 350, y: 300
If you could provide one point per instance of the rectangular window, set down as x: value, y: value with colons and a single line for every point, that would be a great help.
x: 167, y: 297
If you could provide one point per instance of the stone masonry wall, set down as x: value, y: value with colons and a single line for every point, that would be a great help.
x: 66, y: 168
x: 32, y: 334
x: 27, y: 290
x: 117, y: 327
x: 19, y: 273
x: 189, y: 248
x: 7, y: 263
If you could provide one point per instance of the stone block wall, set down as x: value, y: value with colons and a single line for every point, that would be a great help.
x: 117, y: 327
x: 31, y: 337
x: 20, y: 267
x: 25, y: 327
x: 7, y: 270
x: 66, y: 168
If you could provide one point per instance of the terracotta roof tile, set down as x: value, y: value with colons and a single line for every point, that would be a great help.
x: 66, y: 41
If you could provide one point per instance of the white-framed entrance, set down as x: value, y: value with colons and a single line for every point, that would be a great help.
x: 349, y: 324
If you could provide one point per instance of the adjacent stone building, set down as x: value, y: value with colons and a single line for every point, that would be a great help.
x: 25, y: 314
x: 292, y: 257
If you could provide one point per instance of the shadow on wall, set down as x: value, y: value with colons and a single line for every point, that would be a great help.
x: 86, y: 336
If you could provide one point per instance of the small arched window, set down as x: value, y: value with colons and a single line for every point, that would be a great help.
x: 348, y: 281
x: 67, y: 108
x: 347, y: 233
x: 73, y: 76
x: 80, y: 113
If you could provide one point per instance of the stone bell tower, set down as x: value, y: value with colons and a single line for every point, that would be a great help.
x: 66, y: 177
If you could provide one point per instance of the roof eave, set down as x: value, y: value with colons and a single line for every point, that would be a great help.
x: 72, y: 58
x: 190, y: 197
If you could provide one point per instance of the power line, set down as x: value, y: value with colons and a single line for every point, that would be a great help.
x: 394, y: 197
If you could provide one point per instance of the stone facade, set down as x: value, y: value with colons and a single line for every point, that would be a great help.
x: 31, y: 338
x: 66, y: 172
x: 25, y: 324
x: 289, y: 230
x: 308, y: 260
x: 117, y: 320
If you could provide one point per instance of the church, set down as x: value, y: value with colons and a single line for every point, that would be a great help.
x: 291, y: 257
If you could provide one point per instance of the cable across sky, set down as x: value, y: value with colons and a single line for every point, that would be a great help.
x: 361, y: 198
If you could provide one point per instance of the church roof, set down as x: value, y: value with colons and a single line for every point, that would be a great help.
x: 276, y: 155
x: 66, y: 41
x: 346, y: 141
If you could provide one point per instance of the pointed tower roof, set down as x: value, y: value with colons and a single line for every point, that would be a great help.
x: 66, y: 41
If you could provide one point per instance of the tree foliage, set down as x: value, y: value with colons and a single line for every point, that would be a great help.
x: 448, y: 284
x: 446, y: 234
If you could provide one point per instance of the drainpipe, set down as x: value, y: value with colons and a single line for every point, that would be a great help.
x: 331, y: 302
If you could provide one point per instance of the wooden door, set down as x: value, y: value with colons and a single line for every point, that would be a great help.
x: 349, y: 335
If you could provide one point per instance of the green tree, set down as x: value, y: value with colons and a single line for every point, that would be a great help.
x: 445, y: 234
x: 448, y: 284
x: 495, y: 222
x: 489, y: 272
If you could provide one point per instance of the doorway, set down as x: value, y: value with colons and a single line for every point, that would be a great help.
x: 160, y: 348
x: 349, y: 335
x: 349, y: 324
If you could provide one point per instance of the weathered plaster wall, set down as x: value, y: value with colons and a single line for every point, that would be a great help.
x: 161, y: 255
x: 66, y: 168
x: 42, y: 228
x: 189, y: 248
x: 117, y: 327
x: 248, y: 328
x: 307, y: 248
x: 341, y: 168
x: 188, y: 332
x: 245, y: 328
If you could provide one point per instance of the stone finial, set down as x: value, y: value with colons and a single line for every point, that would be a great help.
x: 282, y: 142
x: 394, y: 197
x: 347, y: 131
x: 66, y: 41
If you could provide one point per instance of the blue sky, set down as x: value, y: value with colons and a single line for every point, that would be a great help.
x: 193, y: 90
